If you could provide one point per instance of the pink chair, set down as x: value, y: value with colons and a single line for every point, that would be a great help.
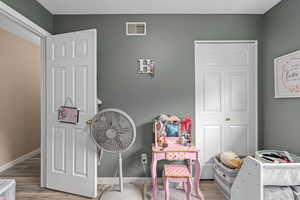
x: 177, y: 174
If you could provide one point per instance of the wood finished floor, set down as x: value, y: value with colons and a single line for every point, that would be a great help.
x: 27, y: 176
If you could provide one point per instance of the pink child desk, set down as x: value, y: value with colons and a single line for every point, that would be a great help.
x: 176, y: 152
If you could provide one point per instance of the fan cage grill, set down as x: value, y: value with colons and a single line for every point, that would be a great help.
x: 113, y: 130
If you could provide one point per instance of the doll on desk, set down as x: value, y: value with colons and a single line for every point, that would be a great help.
x: 171, y: 130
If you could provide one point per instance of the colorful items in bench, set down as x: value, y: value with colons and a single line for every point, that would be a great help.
x: 274, y: 156
x: 168, y: 126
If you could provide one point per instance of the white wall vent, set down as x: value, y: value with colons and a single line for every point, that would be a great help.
x: 136, y: 28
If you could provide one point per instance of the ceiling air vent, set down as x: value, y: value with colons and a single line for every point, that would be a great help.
x: 136, y: 28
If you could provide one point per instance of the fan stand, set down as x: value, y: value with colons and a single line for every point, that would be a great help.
x: 127, y: 191
x: 131, y: 191
x: 121, y: 172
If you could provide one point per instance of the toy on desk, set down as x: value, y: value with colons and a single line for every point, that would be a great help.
x: 187, y: 124
x: 186, y: 131
x: 163, y: 118
x: 170, y: 129
x: 172, y: 126
x: 158, y: 130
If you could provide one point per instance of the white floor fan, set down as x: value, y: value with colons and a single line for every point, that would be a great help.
x: 114, y: 131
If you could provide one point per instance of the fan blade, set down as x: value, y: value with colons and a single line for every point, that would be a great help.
x: 115, y: 123
x: 125, y: 131
x: 108, y: 121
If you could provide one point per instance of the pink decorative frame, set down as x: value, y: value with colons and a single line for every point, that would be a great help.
x: 68, y: 114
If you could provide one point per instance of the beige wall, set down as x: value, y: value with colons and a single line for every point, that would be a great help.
x: 19, y: 97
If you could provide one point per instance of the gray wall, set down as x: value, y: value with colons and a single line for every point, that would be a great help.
x: 33, y: 11
x: 170, y: 43
x: 281, y: 117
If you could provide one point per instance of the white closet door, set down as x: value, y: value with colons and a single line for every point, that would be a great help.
x: 71, y: 73
x: 225, y: 100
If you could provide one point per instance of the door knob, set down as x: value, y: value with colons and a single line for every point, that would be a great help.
x: 227, y: 119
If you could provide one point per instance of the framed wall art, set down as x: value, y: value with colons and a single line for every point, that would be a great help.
x: 68, y: 114
x: 287, y: 75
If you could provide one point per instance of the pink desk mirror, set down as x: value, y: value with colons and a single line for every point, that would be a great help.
x: 172, y: 131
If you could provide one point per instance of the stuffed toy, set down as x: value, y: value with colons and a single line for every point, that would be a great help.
x: 231, y: 160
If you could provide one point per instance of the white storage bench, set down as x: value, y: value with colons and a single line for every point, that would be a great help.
x: 262, y: 181
x: 7, y: 189
x: 224, y: 177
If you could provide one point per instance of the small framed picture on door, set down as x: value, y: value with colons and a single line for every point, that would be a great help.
x: 68, y: 114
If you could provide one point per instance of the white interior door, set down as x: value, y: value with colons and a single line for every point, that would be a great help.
x: 71, y: 158
x: 225, y: 100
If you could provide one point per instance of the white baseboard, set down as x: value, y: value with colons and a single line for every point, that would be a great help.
x: 20, y: 159
x: 136, y: 180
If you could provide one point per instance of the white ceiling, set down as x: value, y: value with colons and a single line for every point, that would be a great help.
x: 158, y: 6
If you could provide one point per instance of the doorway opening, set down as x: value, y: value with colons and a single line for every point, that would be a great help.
x: 20, y: 83
x: 23, y: 85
